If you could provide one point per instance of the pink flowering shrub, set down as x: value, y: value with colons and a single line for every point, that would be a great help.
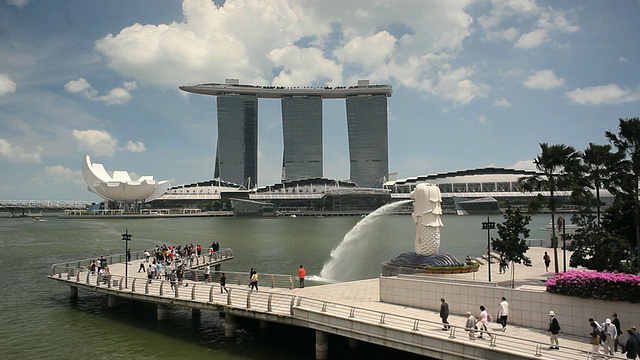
x: 596, y: 285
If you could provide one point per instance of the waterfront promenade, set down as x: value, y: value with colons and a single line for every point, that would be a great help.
x: 351, y: 309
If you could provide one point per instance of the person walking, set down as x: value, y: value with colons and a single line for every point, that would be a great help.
x: 595, y: 337
x: 301, y: 274
x: 616, y: 322
x: 503, y: 313
x: 547, y: 261
x: 254, y: 281
x: 554, y: 329
x: 223, y: 283
x: 610, y: 334
x: 207, y: 273
x: 470, y: 325
x: 444, y: 314
x: 632, y: 348
x: 483, y: 319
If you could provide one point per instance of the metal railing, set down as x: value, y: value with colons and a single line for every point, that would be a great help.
x: 190, y: 262
x: 497, y: 340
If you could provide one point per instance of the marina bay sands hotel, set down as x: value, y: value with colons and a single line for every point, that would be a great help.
x: 237, y: 147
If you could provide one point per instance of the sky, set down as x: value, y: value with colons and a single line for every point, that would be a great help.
x: 476, y: 83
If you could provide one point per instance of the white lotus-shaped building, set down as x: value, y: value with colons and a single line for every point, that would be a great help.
x: 119, y: 186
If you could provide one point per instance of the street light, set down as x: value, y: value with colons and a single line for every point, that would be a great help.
x: 561, y: 226
x: 488, y: 225
x: 127, y: 256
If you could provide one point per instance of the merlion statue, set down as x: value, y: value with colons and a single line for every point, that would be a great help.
x: 426, y: 215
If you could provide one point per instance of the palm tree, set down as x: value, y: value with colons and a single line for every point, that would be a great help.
x: 601, y: 165
x: 558, y: 166
x: 628, y: 141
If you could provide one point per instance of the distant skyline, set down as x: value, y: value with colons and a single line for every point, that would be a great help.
x: 476, y: 83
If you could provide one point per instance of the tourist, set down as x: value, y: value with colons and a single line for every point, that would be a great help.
x: 616, y: 322
x: 250, y: 275
x: 470, y: 326
x: 595, y: 337
x: 207, y: 273
x: 554, y: 329
x: 128, y: 255
x: 483, y: 319
x: 154, y: 269
x: 198, y: 250
x: 147, y: 255
x: 503, y: 312
x: 168, y: 271
x: 159, y: 269
x: 632, y: 348
x: 444, y: 314
x: 254, y: 281
x: 141, y: 268
x: 149, y: 274
x: 223, y: 283
x: 301, y: 274
x: 547, y: 261
x: 93, y: 267
x: 172, y: 281
x: 609, y: 336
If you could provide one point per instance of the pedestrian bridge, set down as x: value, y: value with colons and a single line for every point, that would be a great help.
x: 350, y: 309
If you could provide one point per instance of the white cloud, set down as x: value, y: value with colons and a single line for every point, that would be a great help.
x: 115, y: 96
x: 135, y: 146
x: 7, y: 86
x: 544, y: 80
x: 484, y: 120
x: 63, y: 174
x: 299, y: 43
x: 455, y: 85
x: 532, y: 39
x: 623, y: 60
x: 18, y: 3
x: 15, y: 153
x: 502, y: 102
x: 603, y: 95
x: 99, y: 143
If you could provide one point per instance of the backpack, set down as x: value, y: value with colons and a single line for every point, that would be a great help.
x: 603, y: 334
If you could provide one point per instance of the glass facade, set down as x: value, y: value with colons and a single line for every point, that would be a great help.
x: 302, y: 135
x: 368, y: 139
x: 237, y: 149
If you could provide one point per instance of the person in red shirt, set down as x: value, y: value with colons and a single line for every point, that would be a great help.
x: 301, y: 274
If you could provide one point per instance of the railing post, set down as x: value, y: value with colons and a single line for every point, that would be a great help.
x: 273, y: 281
x: 382, y: 316
x: 290, y: 282
x: 193, y: 292
x: 324, y: 306
x: 78, y: 276
x: 175, y: 287
x: 120, y: 283
x: 353, y: 311
x: 229, y: 297
x: 88, y: 274
x: 146, y: 288
x: 161, y: 287
x: 269, y: 303
x: 133, y: 285
x: 415, y: 325
x: 108, y: 281
x: 211, y: 293
x: 249, y: 300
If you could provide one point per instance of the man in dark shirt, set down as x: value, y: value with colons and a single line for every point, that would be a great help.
x: 444, y: 314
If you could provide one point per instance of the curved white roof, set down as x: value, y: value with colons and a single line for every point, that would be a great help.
x: 119, y: 185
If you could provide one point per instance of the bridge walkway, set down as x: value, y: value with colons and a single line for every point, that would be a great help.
x: 350, y: 309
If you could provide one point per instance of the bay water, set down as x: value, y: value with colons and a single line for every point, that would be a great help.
x: 40, y: 321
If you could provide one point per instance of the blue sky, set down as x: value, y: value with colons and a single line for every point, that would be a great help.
x: 476, y: 83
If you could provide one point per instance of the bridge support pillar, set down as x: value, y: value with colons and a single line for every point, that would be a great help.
x: 264, y: 324
x: 112, y: 301
x: 229, y: 325
x: 216, y: 267
x: 322, y: 345
x: 161, y: 312
x: 354, y: 343
x: 195, y: 313
x: 73, y: 292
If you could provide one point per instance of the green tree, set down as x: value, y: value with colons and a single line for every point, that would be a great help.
x: 511, y: 241
x: 593, y: 247
x: 601, y: 165
x: 628, y: 142
x: 559, y: 167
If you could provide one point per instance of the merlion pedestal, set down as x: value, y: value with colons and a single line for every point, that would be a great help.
x: 427, y: 209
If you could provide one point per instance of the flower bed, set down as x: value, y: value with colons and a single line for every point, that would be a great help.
x: 596, y: 285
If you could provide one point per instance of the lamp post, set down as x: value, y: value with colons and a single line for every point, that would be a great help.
x: 126, y: 237
x: 561, y: 226
x: 488, y: 225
